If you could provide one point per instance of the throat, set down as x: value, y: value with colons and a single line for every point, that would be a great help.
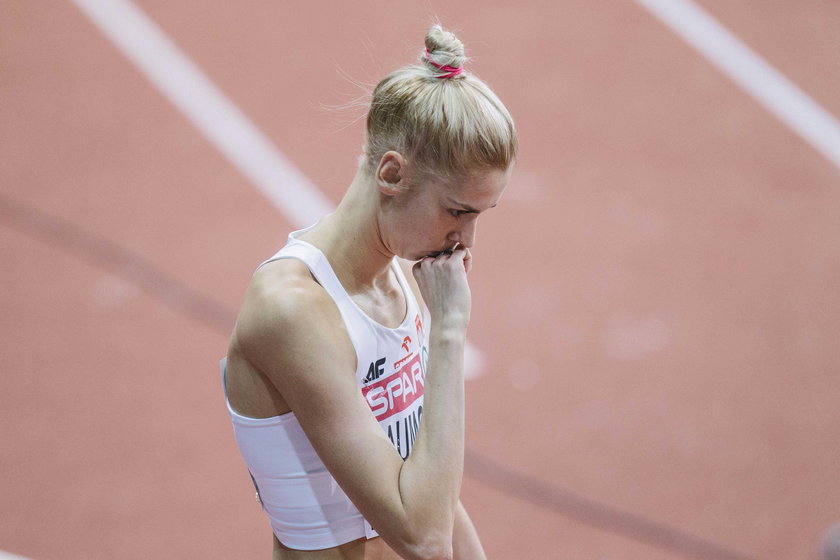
x: 366, y: 274
x: 386, y: 306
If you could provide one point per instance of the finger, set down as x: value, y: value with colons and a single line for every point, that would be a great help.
x: 420, y: 266
x: 467, y: 261
x: 460, y: 253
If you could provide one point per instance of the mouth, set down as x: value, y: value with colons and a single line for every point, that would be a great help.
x: 444, y: 252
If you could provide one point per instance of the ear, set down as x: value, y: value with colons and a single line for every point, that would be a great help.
x: 391, y: 174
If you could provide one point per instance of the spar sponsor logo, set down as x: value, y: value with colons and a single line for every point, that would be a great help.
x: 396, y: 400
x: 394, y: 393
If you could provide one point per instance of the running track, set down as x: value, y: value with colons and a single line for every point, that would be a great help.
x: 656, y: 297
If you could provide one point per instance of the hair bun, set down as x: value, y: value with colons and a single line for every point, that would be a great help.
x: 443, y: 50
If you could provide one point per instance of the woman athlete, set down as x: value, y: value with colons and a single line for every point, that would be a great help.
x: 344, y: 374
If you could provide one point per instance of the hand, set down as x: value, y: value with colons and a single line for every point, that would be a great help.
x: 443, y: 283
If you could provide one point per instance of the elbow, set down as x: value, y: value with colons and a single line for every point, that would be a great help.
x: 429, y: 547
x: 430, y: 554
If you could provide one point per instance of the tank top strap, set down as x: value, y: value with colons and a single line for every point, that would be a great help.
x: 317, y: 264
x: 357, y: 323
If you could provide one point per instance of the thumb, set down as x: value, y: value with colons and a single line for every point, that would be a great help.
x: 467, y: 260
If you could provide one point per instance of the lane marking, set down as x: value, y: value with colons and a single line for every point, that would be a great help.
x: 184, y: 84
x: 757, y: 77
x: 181, y: 81
x: 9, y: 556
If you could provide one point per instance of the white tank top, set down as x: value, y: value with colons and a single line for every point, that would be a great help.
x: 306, y: 507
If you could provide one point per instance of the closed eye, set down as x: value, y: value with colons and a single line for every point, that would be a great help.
x: 464, y: 208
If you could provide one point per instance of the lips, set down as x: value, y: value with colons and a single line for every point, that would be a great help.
x: 446, y: 251
x: 435, y: 254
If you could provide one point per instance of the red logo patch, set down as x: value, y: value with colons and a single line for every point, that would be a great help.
x: 397, y: 391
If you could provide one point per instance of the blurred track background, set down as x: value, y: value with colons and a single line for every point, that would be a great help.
x: 656, y: 298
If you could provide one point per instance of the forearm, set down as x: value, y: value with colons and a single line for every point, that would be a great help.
x: 430, y: 479
x: 465, y: 542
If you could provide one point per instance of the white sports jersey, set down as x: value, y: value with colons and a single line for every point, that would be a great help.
x: 306, y: 507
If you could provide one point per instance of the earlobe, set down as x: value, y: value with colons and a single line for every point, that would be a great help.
x: 390, y: 173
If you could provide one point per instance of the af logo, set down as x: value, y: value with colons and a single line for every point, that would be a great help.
x: 375, y: 370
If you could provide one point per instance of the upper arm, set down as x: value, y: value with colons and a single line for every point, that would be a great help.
x: 291, y: 330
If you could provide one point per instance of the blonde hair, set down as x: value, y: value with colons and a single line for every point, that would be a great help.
x: 446, y: 126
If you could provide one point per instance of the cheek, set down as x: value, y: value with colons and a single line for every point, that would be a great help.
x: 426, y: 232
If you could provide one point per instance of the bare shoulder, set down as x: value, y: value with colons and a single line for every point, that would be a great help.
x: 279, y: 292
x: 291, y: 331
x: 284, y: 314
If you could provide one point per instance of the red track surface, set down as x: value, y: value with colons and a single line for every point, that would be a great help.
x: 656, y: 297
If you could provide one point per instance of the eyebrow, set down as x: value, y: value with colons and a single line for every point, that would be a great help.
x: 467, y: 207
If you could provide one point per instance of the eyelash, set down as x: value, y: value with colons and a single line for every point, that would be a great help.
x: 458, y: 213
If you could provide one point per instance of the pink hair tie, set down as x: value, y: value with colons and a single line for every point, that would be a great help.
x: 451, y: 71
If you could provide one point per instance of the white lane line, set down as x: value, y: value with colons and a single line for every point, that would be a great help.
x: 9, y: 556
x: 181, y: 81
x: 767, y: 85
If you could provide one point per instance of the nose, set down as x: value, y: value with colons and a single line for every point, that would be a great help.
x: 465, y: 235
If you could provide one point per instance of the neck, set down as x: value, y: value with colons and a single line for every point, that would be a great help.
x: 351, y: 239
